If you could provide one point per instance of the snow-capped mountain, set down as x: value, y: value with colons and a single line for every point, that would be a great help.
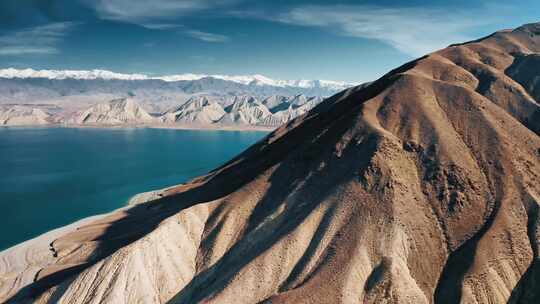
x: 101, y: 97
x: 77, y: 90
x: 108, y: 75
x: 68, y: 74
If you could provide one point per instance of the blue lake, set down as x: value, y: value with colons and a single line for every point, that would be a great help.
x: 51, y: 177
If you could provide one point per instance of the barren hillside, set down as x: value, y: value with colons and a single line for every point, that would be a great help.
x: 422, y: 187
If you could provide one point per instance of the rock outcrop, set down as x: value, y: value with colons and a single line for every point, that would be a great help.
x: 197, y: 111
x: 245, y: 110
x: 17, y: 115
x: 114, y: 112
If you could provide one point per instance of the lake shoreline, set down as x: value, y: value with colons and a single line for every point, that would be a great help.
x: 150, y: 126
x: 56, y: 175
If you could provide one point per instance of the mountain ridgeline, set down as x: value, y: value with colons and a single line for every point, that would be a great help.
x: 422, y: 187
x: 198, y: 111
x: 63, y: 93
x: 103, y: 98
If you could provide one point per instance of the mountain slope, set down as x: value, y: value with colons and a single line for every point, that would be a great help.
x: 71, y: 91
x: 45, y: 86
x: 297, y: 106
x: 419, y: 188
x: 245, y: 110
x: 18, y: 115
x: 11, y: 73
x: 198, y: 111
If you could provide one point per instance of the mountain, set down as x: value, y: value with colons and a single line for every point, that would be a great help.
x: 68, y: 74
x: 272, y: 112
x: 289, y: 109
x: 108, y: 75
x: 23, y: 85
x: 200, y: 111
x: 245, y: 110
x: 421, y: 187
x: 279, y: 118
x: 77, y: 90
x: 114, y: 112
x: 20, y: 115
x: 197, y: 111
x: 276, y: 103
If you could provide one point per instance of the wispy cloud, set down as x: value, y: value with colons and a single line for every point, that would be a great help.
x: 42, y: 39
x: 207, y: 37
x: 412, y: 30
x: 161, y: 26
x: 151, y: 14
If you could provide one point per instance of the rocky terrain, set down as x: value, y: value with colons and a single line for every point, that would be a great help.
x: 118, y: 111
x: 422, y: 187
x: 200, y: 111
x: 21, y: 115
x: 96, y: 98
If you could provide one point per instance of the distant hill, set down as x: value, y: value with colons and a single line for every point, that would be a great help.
x: 199, y: 111
x: 71, y: 92
x: 68, y: 88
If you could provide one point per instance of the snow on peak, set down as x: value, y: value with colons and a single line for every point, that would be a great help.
x: 108, y: 75
x: 68, y: 74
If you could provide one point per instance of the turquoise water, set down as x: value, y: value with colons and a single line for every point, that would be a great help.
x: 51, y: 177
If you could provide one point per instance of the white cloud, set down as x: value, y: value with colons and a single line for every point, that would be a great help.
x: 161, y: 26
x: 151, y: 14
x: 412, y: 30
x: 25, y: 50
x: 208, y: 37
x: 41, y: 39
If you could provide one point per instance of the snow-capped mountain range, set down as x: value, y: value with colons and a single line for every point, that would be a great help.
x: 108, y: 75
x: 100, y: 97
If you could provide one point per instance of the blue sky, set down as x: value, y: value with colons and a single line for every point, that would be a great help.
x: 304, y: 39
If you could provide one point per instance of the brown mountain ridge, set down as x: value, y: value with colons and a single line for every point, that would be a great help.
x: 422, y: 187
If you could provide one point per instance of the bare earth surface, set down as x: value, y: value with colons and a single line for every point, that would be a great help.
x: 423, y: 187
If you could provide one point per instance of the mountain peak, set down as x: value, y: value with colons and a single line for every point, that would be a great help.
x: 113, y: 112
x: 256, y: 79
